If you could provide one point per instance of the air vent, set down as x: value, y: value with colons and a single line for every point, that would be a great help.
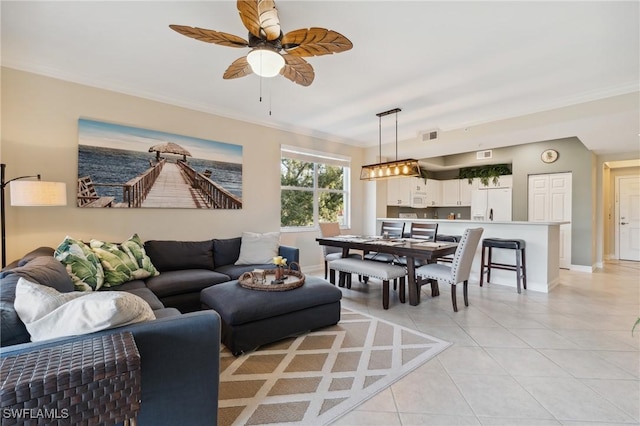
x: 429, y: 135
x: 483, y: 155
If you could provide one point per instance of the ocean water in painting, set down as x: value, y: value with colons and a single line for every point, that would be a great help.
x: 117, y: 166
x: 113, y: 154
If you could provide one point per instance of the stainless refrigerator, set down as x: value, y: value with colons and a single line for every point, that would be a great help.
x: 491, y: 204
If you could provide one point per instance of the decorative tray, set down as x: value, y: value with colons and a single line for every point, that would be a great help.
x: 265, y: 280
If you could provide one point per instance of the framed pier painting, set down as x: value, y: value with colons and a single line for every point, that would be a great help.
x: 128, y: 167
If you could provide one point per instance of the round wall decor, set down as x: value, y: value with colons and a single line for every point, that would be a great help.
x: 549, y: 155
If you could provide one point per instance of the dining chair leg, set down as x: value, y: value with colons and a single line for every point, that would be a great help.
x: 402, y: 294
x: 464, y: 292
x: 385, y: 294
x: 326, y: 269
x: 518, y: 272
x: 332, y: 276
x: 348, y: 279
x: 453, y: 298
x: 524, y: 269
x: 482, y: 265
x: 435, y: 289
x: 342, y: 276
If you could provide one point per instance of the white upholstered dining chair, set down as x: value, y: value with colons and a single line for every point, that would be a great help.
x: 460, y: 267
x: 332, y: 229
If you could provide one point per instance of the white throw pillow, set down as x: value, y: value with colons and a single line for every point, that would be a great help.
x: 48, y: 314
x: 258, y: 248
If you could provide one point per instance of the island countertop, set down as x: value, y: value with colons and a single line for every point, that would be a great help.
x: 542, y: 248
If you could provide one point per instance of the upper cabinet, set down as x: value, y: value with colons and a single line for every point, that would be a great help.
x: 504, y: 181
x: 418, y: 193
x: 434, y: 192
x: 456, y: 192
x: 399, y: 192
x: 413, y: 192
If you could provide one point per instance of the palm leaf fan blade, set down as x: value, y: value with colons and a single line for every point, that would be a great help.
x: 210, y: 36
x: 260, y: 17
x: 239, y: 68
x: 315, y: 42
x: 297, y: 70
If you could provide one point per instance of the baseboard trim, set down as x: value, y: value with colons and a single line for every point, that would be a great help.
x: 583, y: 268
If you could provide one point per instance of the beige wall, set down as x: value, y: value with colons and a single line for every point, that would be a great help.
x: 40, y: 135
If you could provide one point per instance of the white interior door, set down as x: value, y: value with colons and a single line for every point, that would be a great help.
x: 560, y: 210
x: 550, y: 201
x: 628, y: 223
x: 538, y: 198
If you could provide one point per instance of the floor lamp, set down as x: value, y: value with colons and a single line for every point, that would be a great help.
x: 28, y: 193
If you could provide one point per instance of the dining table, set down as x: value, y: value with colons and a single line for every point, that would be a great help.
x: 409, y: 248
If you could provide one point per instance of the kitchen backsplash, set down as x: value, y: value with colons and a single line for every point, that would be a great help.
x: 430, y: 212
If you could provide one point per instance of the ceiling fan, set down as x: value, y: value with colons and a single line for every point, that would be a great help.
x: 272, y: 52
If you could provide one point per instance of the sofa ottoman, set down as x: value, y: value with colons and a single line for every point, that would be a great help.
x: 251, y: 318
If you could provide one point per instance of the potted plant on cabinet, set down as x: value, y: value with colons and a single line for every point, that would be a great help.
x: 485, y: 173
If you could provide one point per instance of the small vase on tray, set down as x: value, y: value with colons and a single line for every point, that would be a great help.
x: 279, y: 273
x: 280, y: 263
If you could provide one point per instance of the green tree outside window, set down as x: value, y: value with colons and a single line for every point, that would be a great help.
x: 312, y: 192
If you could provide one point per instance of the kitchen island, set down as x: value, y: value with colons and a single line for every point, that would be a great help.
x: 542, y: 249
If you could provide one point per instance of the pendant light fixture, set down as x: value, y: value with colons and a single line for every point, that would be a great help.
x: 397, y: 168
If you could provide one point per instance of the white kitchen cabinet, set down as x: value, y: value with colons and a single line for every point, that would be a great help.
x: 504, y: 181
x: 456, y: 193
x: 465, y: 192
x: 399, y: 192
x: 413, y: 192
x: 434, y: 192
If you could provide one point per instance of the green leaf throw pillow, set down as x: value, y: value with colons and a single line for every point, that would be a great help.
x: 134, y: 247
x: 82, y: 264
x: 123, y: 262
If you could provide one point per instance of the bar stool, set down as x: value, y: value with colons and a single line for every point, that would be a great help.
x: 502, y: 243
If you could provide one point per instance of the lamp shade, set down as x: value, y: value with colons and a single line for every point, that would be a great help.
x: 265, y: 62
x: 38, y: 193
x: 398, y: 168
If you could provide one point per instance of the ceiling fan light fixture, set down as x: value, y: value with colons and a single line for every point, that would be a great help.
x: 265, y: 62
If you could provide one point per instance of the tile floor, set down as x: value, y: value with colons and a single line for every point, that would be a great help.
x: 563, y: 358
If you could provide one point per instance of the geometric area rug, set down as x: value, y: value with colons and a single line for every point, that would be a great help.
x: 315, y: 378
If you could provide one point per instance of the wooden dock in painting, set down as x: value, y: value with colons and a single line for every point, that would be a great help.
x: 172, y: 189
x: 171, y: 185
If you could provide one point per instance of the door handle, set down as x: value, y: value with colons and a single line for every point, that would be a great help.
x: 624, y: 223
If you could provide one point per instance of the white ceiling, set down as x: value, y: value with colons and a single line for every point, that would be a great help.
x: 446, y: 64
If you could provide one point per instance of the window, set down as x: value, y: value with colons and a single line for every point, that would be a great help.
x: 314, y: 187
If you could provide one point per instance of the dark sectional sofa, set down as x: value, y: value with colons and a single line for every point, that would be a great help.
x: 180, y: 349
x: 188, y: 267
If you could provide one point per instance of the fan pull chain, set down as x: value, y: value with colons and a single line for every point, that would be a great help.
x: 269, y: 94
x: 270, y: 99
